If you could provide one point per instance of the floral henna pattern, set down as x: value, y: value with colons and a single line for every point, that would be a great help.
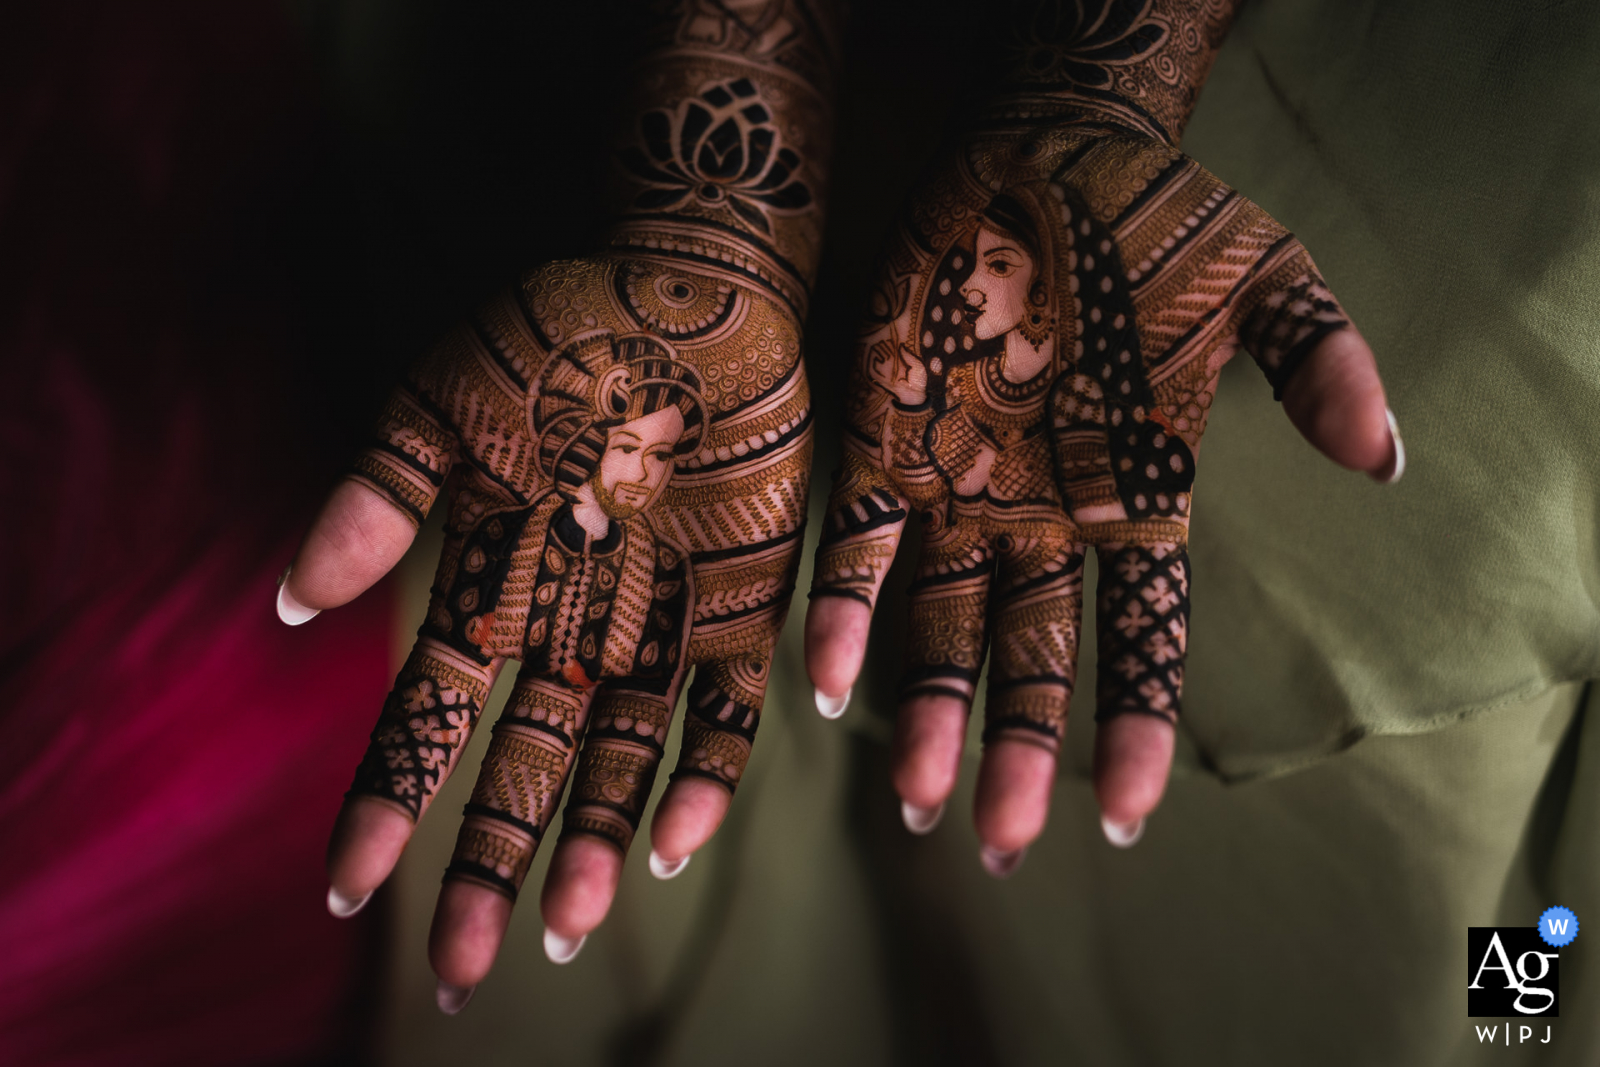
x: 1036, y: 368
x: 719, y: 148
x: 425, y: 723
x: 624, y: 445
x: 1139, y: 63
x: 1142, y: 620
x: 1076, y: 45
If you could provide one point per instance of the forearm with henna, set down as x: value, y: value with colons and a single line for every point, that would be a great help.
x: 624, y: 441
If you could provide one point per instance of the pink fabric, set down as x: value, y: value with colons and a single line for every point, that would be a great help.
x: 174, y: 755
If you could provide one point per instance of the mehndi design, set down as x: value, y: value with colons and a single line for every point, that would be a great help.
x: 1036, y: 367
x: 625, y: 442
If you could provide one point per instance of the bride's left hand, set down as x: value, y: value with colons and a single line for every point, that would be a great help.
x: 1071, y: 294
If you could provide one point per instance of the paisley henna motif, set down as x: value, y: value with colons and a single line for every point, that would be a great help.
x: 1035, y: 370
x: 624, y: 442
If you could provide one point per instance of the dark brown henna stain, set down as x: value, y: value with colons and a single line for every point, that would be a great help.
x: 1287, y: 324
x: 1138, y: 63
x: 624, y: 445
x: 1036, y: 368
x: 425, y: 724
x: 519, y: 784
x: 1142, y: 624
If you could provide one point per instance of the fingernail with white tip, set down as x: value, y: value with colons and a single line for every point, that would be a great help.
x: 662, y: 869
x: 290, y: 610
x: 1122, y: 834
x: 920, y: 820
x: 342, y: 907
x: 1001, y: 864
x: 562, y: 949
x: 452, y: 998
x: 1399, y: 450
x: 832, y: 707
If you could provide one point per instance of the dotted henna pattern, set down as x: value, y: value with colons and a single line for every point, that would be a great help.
x: 1037, y: 364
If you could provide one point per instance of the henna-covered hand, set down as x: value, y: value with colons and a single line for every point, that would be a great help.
x: 624, y: 446
x: 1032, y: 383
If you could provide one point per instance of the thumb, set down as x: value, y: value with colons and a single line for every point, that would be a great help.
x: 1335, y: 399
x: 1320, y: 366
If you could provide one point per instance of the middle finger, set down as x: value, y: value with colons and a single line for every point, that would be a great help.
x: 519, y: 785
x: 945, y: 649
x: 1038, y: 609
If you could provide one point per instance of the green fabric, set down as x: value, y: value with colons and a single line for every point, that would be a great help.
x: 1442, y: 162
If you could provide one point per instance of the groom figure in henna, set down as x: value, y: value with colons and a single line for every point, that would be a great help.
x: 611, y: 594
x: 623, y: 442
x: 598, y: 594
x: 601, y: 595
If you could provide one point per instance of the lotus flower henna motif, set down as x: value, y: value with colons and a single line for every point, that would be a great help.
x: 721, y: 149
x: 1077, y: 41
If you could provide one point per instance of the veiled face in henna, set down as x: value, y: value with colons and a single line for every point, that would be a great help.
x: 997, y: 291
x: 637, y: 460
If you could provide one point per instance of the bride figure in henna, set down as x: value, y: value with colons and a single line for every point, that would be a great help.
x: 1036, y: 371
x: 992, y: 404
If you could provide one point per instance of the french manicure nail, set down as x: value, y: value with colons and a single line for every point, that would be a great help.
x: 921, y: 820
x: 562, y: 949
x: 290, y: 610
x: 1001, y: 864
x: 342, y: 907
x: 1399, y: 450
x: 452, y: 998
x: 662, y: 869
x: 1122, y: 834
x: 832, y: 707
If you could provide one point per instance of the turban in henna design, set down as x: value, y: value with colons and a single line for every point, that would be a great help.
x: 623, y: 443
x: 599, y: 383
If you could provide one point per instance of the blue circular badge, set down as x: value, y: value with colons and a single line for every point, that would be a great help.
x: 1558, y: 926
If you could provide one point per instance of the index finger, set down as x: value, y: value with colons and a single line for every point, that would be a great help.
x: 372, y: 517
x: 861, y: 534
